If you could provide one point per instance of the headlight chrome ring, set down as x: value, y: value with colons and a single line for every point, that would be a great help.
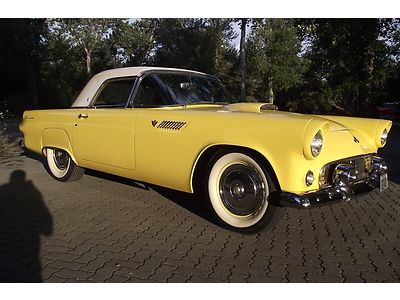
x: 384, y: 136
x: 316, y: 144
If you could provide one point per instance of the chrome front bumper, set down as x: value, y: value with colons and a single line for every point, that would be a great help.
x: 344, y: 188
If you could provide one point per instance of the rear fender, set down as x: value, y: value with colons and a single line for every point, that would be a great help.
x: 57, y: 138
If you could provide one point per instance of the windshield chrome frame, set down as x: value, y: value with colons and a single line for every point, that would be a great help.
x: 151, y: 72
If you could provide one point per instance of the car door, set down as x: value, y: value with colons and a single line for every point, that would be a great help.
x: 104, y: 133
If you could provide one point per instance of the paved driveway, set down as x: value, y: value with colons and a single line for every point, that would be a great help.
x: 107, y: 229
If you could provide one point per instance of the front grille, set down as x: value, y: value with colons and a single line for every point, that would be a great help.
x: 362, y: 166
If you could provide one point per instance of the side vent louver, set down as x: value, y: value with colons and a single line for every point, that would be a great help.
x: 172, y: 125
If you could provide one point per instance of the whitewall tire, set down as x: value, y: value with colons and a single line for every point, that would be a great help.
x: 238, y: 191
x: 61, y: 166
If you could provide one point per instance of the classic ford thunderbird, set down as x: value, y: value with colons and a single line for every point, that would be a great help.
x: 182, y: 130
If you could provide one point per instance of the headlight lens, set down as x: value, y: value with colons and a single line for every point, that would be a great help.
x: 316, y: 144
x: 384, y: 136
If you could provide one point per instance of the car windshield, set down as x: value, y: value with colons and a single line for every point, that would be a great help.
x: 185, y: 89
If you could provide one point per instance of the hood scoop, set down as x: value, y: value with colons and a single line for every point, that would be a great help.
x: 251, y: 107
x: 268, y: 106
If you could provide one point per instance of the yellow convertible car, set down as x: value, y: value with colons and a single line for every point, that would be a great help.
x: 180, y: 129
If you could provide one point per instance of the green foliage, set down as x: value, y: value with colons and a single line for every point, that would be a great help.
x: 132, y: 43
x: 349, y: 55
x: 199, y: 44
x: 273, y: 58
x: 63, y: 71
x: 85, y: 34
x: 341, y: 66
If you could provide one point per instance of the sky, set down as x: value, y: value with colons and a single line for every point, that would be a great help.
x: 201, y: 9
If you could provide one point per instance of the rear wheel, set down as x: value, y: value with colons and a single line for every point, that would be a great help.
x: 61, y: 166
x: 239, y: 189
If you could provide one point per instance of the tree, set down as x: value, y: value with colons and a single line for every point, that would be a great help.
x: 199, y: 44
x: 350, y: 56
x: 62, y: 74
x: 182, y: 43
x: 20, y: 60
x: 242, y: 50
x: 132, y: 43
x: 273, y: 50
x: 220, y: 33
x: 87, y: 34
x: 310, y: 65
x: 225, y: 60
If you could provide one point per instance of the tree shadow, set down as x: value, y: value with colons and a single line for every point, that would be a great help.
x: 24, y: 217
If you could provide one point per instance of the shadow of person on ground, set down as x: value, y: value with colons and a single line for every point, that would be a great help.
x: 23, y: 218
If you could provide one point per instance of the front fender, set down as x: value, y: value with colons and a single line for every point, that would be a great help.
x: 371, y: 129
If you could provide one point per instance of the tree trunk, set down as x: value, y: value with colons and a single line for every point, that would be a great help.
x: 32, y: 84
x: 363, y: 105
x: 88, y: 61
x: 217, y: 45
x: 270, y: 91
x: 243, y: 60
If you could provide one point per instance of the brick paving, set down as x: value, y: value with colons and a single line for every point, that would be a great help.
x: 107, y: 229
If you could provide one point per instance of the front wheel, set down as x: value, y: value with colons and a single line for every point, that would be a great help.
x: 238, y: 190
x: 61, y: 166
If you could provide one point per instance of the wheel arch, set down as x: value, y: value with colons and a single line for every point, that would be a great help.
x: 199, y: 170
x: 57, y: 138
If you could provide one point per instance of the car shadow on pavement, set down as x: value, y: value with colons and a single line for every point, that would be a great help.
x: 119, y: 179
x: 24, y: 217
x: 190, y: 202
x: 34, y: 156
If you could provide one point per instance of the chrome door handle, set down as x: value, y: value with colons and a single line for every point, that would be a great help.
x: 83, y: 116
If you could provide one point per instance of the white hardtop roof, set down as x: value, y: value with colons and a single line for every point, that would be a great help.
x: 138, y: 71
x: 94, y: 84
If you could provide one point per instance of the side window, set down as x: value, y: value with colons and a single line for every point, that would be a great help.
x: 114, y: 93
x: 148, y: 95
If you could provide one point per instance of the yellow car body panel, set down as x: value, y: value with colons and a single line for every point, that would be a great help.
x: 104, y: 136
x: 56, y: 138
x: 162, y: 145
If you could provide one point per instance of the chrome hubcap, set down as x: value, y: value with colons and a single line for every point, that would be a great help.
x: 242, y: 189
x: 61, y: 159
x: 237, y: 190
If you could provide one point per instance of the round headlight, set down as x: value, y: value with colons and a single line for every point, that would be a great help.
x: 316, y: 144
x: 384, y: 136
